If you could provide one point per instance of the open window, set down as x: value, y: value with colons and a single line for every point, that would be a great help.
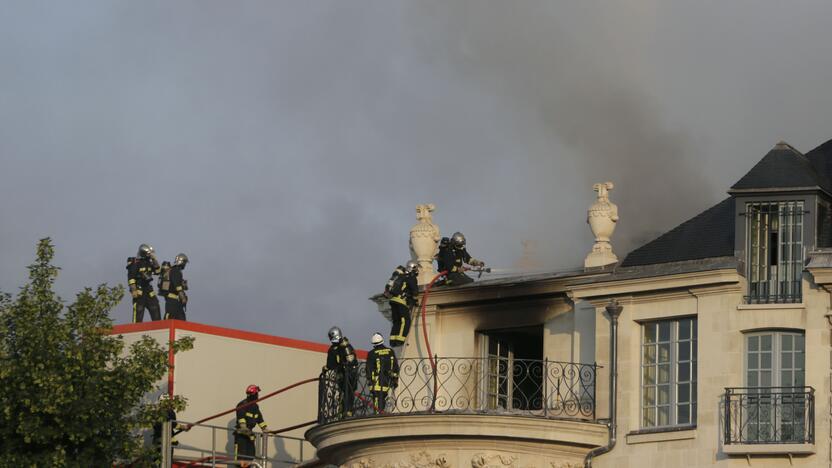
x: 512, y: 370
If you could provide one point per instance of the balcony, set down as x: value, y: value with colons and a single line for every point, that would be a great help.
x: 493, y: 386
x: 769, y: 420
x: 460, y: 412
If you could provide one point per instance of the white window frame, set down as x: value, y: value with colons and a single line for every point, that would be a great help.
x: 674, y: 381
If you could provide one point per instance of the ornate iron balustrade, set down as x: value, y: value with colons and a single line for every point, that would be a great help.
x: 770, y: 415
x: 540, y: 388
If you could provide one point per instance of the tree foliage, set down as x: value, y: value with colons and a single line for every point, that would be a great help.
x: 69, y: 393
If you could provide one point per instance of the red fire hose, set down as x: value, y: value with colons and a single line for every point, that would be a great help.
x: 276, y: 392
x: 424, y: 326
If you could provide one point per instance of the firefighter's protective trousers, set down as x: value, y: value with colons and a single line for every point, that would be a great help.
x: 401, y: 322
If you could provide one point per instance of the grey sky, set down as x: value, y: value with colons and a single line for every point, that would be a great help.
x: 284, y: 145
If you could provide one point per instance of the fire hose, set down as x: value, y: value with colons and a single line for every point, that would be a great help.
x: 247, y: 404
x: 425, y: 295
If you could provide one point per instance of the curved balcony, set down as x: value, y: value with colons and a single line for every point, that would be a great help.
x: 493, y: 386
x: 460, y: 412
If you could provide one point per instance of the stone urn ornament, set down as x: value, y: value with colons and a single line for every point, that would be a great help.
x: 424, y: 242
x: 602, y: 217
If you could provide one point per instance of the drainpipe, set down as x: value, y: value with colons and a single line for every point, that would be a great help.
x: 613, y: 311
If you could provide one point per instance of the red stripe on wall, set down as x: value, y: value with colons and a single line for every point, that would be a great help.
x: 171, y: 354
x: 228, y: 333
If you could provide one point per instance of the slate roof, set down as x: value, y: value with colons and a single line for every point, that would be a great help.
x: 709, y: 234
x: 785, y: 167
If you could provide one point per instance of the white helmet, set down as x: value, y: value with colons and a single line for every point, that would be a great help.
x: 377, y: 339
x: 334, y: 335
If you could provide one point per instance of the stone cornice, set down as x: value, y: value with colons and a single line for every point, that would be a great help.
x: 656, y: 283
x: 455, y: 426
x: 821, y: 276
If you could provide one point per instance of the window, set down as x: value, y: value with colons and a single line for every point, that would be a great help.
x: 775, y: 359
x: 776, y: 406
x: 775, y: 251
x: 513, y: 368
x: 668, y: 373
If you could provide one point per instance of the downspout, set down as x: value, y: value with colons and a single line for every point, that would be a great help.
x: 613, y: 311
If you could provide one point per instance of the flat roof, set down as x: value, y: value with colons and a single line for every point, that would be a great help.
x: 225, y: 332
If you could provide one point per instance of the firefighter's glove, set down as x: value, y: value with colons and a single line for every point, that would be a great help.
x: 244, y: 430
x: 134, y: 292
x: 477, y: 263
x: 183, y: 298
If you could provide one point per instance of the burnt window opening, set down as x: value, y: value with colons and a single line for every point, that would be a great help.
x: 513, y: 368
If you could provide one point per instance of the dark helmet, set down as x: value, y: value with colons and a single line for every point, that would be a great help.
x: 411, y: 266
x: 458, y: 240
x: 334, y: 335
x: 145, y: 251
x: 180, y: 260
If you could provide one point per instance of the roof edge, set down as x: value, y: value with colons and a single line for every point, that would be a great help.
x: 224, y: 332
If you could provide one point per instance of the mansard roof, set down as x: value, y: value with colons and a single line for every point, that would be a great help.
x: 708, y: 234
x: 786, y: 168
x: 711, y: 234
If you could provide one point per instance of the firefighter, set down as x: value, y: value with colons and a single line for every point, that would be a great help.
x: 164, y: 401
x: 341, y: 360
x: 454, y: 257
x: 248, y: 416
x: 140, y: 271
x: 382, y: 372
x: 176, y: 300
x: 402, y: 293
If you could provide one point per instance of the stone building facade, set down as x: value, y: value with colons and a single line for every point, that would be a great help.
x: 723, y: 348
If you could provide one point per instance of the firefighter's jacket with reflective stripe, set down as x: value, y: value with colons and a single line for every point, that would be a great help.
x: 341, y: 355
x: 140, y: 273
x: 382, y: 369
x: 459, y: 257
x: 405, y: 289
x: 177, y: 284
x: 250, y: 416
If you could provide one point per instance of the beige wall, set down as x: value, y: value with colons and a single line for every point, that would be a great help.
x: 722, y: 320
x: 580, y: 333
x: 213, y: 377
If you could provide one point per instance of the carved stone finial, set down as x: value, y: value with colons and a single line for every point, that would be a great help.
x: 602, y: 217
x: 424, y: 242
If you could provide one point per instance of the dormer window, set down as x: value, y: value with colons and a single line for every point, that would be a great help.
x: 775, y: 251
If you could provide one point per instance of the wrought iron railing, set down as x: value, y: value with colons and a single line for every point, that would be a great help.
x: 540, y: 388
x: 770, y: 415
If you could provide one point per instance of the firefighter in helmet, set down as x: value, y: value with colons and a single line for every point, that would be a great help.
x: 382, y: 372
x: 176, y: 300
x: 342, y: 367
x: 166, y: 407
x: 402, y: 293
x: 248, y: 416
x: 140, y: 271
x: 453, y: 257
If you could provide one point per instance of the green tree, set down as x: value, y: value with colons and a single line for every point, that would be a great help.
x: 69, y: 393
